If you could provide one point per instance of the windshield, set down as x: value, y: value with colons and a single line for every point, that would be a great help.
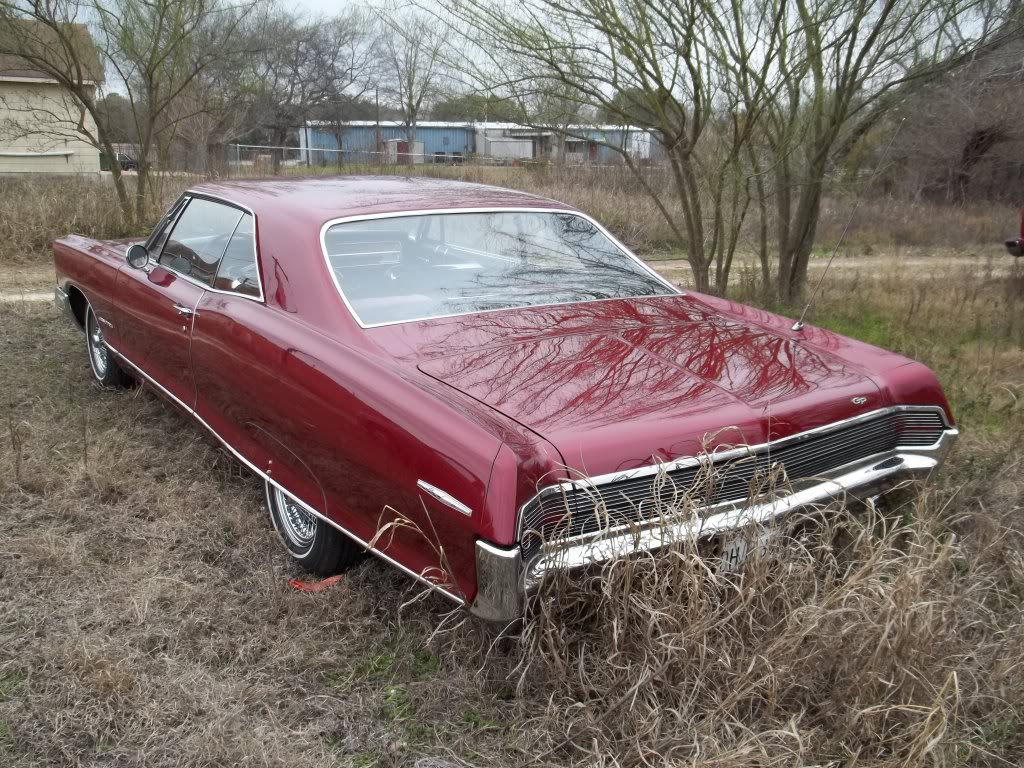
x: 417, y: 267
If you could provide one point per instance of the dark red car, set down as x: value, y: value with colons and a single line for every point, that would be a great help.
x: 491, y: 368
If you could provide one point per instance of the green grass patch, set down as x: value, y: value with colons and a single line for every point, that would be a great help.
x: 11, y: 683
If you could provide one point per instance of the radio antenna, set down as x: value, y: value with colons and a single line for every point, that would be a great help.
x: 799, y: 324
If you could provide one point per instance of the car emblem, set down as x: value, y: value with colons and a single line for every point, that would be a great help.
x: 859, y: 400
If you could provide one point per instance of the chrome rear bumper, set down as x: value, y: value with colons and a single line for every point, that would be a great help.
x: 503, y: 580
x: 62, y: 304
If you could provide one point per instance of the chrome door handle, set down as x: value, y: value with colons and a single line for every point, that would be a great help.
x: 182, y: 310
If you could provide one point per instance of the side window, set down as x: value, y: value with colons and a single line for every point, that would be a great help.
x: 159, y: 238
x: 199, y: 238
x: 238, y: 269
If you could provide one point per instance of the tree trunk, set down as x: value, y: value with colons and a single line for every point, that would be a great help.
x: 798, y: 250
x: 140, y: 190
x: 277, y: 155
x: 124, y: 200
x: 762, y: 220
x: 701, y: 275
x: 797, y: 230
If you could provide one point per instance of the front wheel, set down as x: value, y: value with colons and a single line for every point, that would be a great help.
x: 315, y: 544
x: 101, y: 360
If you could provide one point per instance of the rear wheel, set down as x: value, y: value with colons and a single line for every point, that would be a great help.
x: 101, y: 360
x: 315, y: 544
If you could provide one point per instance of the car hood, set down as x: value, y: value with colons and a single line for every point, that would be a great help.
x: 622, y: 384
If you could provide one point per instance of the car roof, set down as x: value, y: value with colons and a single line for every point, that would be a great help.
x: 315, y: 200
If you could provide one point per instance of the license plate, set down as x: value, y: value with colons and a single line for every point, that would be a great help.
x: 736, y: 547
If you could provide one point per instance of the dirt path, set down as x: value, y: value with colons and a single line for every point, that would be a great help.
x: 34, y: 283
x: 26, y: 283
x: 14, y: 298
x: 923, y: 265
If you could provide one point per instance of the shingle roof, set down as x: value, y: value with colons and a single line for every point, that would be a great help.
x: 27, y: 39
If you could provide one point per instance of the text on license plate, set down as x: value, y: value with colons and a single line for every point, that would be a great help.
x: 736, y: 546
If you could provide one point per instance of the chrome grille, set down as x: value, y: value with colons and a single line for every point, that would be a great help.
x: 586, y: 508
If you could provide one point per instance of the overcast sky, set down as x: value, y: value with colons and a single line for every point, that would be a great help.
x: 325, y: 7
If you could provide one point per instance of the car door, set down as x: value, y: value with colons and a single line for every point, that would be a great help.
x: 159, y: 303
x: 244, y: 371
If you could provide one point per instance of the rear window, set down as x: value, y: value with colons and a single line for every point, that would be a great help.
x: 407, y: 268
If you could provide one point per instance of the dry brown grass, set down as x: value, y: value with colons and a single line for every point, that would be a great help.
x: 36, y: 211
x: 887, y: 222
x: 903, y: 647
x: 145, y: 617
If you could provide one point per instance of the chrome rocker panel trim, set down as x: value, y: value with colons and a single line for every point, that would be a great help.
x: 257, y: 471
x: 503, y: 580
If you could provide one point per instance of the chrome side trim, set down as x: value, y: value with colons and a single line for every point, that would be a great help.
x: 499, y: 209
x: 725, y: 455
x: 445, y: 498
x: 257, y: 471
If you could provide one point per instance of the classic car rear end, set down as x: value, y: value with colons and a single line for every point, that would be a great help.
x: 631, y: 394
x: 640, y: 398
x: 488, y: 376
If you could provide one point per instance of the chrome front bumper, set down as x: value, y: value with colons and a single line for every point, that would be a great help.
x: 503, y: 580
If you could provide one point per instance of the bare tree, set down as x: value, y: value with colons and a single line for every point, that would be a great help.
x: 963, y: 134
x: 697, y: 71
x: 150, y: 47
x: 411, y: 47
x: 845, y: 64
x: 750, y: 100
x: 308, y: 64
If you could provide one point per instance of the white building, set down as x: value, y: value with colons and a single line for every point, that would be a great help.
x: 38, y: 119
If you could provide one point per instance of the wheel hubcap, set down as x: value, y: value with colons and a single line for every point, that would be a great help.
x: 98, y: 348
x: 297, y: 523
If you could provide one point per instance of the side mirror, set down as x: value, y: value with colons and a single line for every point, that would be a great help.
x: 137, y: 256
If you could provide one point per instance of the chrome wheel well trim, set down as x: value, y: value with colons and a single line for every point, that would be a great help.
x: 267, y: 479
x: 271, y: 504
x: 596, y: 481
x: 88, y: 338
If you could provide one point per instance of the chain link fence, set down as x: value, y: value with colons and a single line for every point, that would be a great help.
x: 253, y: 160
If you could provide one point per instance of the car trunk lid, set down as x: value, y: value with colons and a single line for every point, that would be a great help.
x: 653, y: 388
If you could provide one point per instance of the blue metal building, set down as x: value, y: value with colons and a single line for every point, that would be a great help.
x: 358, y: 137
x: 448, y: 140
